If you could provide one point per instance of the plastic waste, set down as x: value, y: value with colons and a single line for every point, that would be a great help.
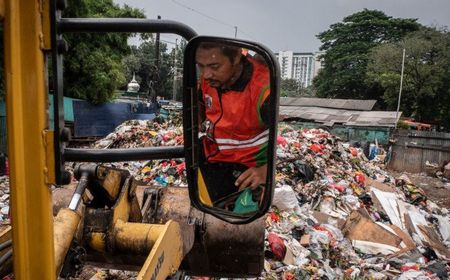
x: 284, y: 198
x: 244, y: 203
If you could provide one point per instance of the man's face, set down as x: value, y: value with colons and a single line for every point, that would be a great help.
x: 215, y: 67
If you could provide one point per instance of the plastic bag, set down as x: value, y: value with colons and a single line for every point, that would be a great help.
x: 244, y: 203
x: 284, y: 198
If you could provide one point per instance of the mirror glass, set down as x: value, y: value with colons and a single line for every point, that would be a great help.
x: 236, y: 126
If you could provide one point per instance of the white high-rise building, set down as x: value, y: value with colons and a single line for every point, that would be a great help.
x: 299, y: 66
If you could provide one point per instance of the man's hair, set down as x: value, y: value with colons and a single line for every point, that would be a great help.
x: 229, y: 51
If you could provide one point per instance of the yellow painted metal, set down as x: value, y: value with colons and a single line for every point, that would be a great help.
x: 203, y: 190
x: 66, y: 224
x: 46, y: 31
x: 166, y: 254
x: 121, y: 210
x: 136, y: 237
x: 26, y: 108
x: 112, y: 183
x: 97, y: 241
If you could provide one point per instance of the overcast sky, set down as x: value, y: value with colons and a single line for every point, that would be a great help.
x: 285, y: 24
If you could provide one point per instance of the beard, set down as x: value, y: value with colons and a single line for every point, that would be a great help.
x: 214, y: 83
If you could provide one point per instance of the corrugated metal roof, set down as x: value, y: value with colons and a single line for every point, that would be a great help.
x: 347, y: 104
x: 329, y: 117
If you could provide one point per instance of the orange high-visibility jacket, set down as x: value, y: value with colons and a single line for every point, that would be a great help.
x: 237, y: 132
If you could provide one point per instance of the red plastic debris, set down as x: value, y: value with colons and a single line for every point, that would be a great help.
x: 407, y: 267
x: 274, y: 217
x: 289, y: 276
x: 340, y: 188
x: 317, y: 148
x: 277, y: 246
x: 181, y: 167
x: 281, y: 141
x: 360, y: 178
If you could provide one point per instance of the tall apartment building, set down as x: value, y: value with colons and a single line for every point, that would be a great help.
x: 300, y: 66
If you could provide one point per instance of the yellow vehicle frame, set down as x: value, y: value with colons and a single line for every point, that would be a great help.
x: 26, y: 34
x: 31, y: 155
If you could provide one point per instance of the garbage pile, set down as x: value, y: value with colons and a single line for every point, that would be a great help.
x: 337, y: 215
x: 4, y: 199
x: 441, y: 172
x: 155, y: 133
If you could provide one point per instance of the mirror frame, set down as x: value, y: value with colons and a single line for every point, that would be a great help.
x: 190, y: 125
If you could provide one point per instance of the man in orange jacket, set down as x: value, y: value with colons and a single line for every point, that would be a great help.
x: 234, y: 93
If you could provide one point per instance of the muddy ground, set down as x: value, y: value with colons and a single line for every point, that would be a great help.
x: 436, y: 189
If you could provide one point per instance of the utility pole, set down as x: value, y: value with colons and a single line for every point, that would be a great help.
x: 401, y: 86
x: 157, y: 64
x: 175, y: 72
x: 235, y: 32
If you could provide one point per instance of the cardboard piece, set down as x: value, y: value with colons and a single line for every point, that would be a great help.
x: 409, y: 242
x: 370, y: 183
x: 388, y: 202
x: 358, y: 227
x: 323, y: 218
x: 433, y: 241
x: 305, y: 240
x: 413, y: 219
x: 374, y: 248
x: 289, y: 257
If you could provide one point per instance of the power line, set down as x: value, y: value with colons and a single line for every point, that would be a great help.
x: 213, y: 18
x: 200, y: 13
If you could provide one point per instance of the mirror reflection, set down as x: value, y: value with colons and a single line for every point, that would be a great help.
x: 234, y: 119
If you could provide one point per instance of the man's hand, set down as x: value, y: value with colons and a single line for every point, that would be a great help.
x: 252, y: 177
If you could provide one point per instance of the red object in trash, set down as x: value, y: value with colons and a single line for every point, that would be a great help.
x: 407, y: 267
x: 179, y: 139
x: 281, y: 141
x: 317, y: 148
x: 274, y: 217
x: 277, y: 246
x: 360, y: 178
x: 181, y: 167
x: 340, y: 188
x: 289, y: 276
x: 353, y: 151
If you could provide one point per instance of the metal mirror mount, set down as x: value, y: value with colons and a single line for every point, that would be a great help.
x: 231, y: 93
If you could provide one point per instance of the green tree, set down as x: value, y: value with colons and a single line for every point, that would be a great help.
x: 92, y: 66
x: 347, y: 46
x: 426, y: 81
x: 142, y: 62
x: 289, y: 87
x: 293, y: 88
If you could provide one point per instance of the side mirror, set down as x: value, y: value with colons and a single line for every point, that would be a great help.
x: 231, y: 93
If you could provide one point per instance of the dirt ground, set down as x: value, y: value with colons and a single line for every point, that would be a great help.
x: 436, y: 189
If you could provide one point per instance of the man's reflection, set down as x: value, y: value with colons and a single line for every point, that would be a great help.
x: 234, y: 93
